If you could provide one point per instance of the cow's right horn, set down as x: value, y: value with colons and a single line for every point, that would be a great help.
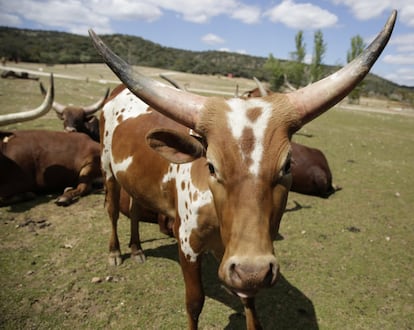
x: 314, y: 99
x: 31, y: 114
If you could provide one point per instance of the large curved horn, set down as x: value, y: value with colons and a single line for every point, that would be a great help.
x: 56, y: 106
x: 31, y: 114
x: 91, y: 109
x: 171, y: 81
x: 181, y: 106
x: 260, y: 86
x: 314, y: 99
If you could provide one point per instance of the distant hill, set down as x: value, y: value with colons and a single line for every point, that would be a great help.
x: 54, y: 47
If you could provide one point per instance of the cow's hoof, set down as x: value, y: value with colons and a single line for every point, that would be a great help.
x: 138, y: 256
x: 63, y: 201
x: 115, y: 259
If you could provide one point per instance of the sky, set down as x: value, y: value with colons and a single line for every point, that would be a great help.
x: 258, y: 28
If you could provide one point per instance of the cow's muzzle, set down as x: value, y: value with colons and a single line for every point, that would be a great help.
x: 245, y: 276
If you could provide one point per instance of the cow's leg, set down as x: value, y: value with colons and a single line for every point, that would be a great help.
x: 137, y: 254
x: 252, y: 321
x: 112, y: 207
x: 87, y: 175
x: 194, y: 294
x: 166, y: 224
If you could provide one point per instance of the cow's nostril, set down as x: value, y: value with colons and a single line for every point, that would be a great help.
x: 270, y: 276
x: 234, y: 274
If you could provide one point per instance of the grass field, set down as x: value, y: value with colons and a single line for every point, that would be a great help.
x: 346, y: 262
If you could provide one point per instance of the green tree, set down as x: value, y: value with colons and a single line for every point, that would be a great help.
x: 274, y: 67
x: 357, y: 47
x: 319, y: 49
x: 296, y: 69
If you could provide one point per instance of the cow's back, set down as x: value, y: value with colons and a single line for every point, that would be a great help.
x: 310, y: 171
x: 127, y: 156
x: 47, y: 160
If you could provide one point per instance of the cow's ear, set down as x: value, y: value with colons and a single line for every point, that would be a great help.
x: 176, y: 147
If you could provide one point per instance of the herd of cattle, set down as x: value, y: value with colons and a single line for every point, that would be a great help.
x: 213, y: 172
x: 44, y: 161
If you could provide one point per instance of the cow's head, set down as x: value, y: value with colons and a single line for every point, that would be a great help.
x: 76, y: 118
x: 31, y: 114
x: 246, y: 144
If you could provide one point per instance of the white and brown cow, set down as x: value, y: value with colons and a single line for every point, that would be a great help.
x: 226, y: 192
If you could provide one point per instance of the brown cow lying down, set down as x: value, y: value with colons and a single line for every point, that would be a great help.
x: 311, y: 174
x: 39, y: 161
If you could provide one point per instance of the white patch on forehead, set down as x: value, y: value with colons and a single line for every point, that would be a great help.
x: 189, y: 201
x: 124, y: 106
x: 238, y: 121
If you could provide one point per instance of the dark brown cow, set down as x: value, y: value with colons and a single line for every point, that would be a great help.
x: 311, y: 174
x: 227, y: 192
x: 38, y: 161
x: 78, y: 118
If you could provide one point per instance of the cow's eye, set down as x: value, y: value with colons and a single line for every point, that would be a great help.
x: 211, y: 169
x: 286, y: 168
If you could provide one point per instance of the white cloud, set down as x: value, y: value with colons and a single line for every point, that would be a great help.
x: 301, y: 15
x: 365, y: 9
x: 75, y: 15
x: 407, y: 14
x: 404, y: 59
x: 127, y: 10
x: 404, y: 76
x: 212, y: 39
x: 72, y: 15
x: 403, y: 42
x: 247, y: 14
x: 204, y: 11
x: 368, y: 9
x: 9, y: 20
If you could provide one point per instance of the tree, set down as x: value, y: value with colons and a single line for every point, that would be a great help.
x: 296, y: 69
x: 357, y: 47
x: 319, y: 49
x: 273, y: 66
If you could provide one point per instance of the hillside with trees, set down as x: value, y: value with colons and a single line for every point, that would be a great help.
x: 52, y: 47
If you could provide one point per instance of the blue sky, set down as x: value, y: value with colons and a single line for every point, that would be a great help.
x: 251, y: 27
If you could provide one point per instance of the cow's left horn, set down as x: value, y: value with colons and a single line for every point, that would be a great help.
x: 314, y: 99
x: 31, y: 114
x: 182, y: 106
x: 91, y: 109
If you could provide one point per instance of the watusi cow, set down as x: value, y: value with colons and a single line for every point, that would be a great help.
x: 78, y: 118
x: 227, y: 192
x: 40, y: 161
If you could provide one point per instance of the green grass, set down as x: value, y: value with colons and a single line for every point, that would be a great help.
x: 346, y: 261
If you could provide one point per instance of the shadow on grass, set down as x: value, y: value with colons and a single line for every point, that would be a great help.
x: 31, y: 200
x: 282, y: 307
x: 24, y: 206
